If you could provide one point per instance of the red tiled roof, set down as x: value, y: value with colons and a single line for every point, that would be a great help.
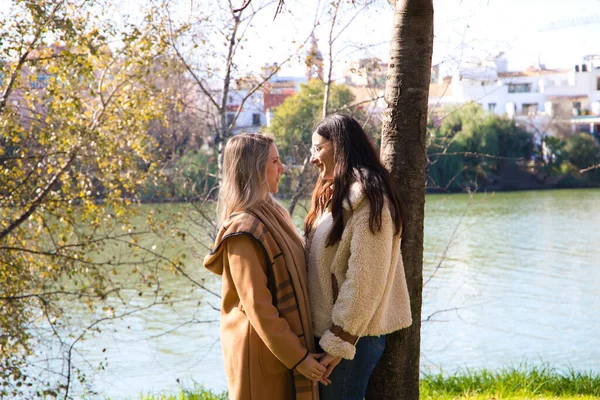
x: 272, y: 100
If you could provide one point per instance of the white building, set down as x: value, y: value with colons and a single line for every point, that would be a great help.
x: 251, y: 116
x: 542, y: 100
x: 365, y: 72
x: 257, y: 110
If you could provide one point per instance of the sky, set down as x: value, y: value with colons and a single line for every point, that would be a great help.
x: 521, y: 28
x: 463, y: 29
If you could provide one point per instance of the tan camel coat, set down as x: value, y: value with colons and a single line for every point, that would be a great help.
x: 263, y: 338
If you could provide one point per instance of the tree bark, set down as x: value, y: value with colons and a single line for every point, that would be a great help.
x: 403, y: 152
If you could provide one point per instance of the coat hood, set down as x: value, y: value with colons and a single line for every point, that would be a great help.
x: 356, y: 194
x: 214, y: 260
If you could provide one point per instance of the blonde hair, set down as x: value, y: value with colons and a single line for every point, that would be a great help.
x: 244, y: 182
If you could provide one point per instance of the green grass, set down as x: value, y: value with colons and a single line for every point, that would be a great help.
x: 520, y: 383
x: 197, y: 392
x: 509, y: 397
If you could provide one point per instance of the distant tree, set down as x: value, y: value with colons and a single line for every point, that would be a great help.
x: 583, y: 152
x: 183, y: 127
x: 505, y: 139
x: 470, y: 143
x: 553, y: 154
x: 295, y: 118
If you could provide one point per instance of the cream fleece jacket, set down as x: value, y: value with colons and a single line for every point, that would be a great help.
x: 373, y: 298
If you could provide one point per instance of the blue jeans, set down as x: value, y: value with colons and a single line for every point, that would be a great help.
x: 349, y: 379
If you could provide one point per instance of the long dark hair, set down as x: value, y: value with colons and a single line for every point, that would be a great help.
x: 353, y: 153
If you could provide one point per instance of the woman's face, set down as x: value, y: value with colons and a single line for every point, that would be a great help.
x: 274, y: 169
x: 321, y: 155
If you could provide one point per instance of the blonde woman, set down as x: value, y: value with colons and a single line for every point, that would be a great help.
x: 266, y: 326
x: 357, y: 286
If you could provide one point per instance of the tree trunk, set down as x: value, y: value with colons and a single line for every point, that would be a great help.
x: 301, y: 188
x: 403, y: 152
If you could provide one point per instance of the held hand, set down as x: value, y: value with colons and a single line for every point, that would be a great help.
x: 310, y: 367
x: 330, y: 362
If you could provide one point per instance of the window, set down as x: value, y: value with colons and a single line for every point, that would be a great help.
x: 519, y: 87
x: 530, y: 108
x: 230, y: 118
x: 492, y: 107
x: 255, y: 119
x: 598, y: 83
x: 576, y: 108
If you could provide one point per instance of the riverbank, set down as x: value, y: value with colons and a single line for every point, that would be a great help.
x: 515, y: 179
x: 521, y: 383
x: 480, y: 188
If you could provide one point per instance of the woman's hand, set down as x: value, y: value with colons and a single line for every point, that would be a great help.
x: 330, y: 363
x: 310, y: 367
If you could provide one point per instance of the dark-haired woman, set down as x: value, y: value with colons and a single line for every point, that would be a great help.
x: 356, y: 282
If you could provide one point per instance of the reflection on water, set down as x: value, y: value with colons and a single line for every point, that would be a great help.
x: 519, y: 281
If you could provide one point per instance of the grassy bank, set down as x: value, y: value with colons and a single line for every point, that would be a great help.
x: 521, y: 383
x: 195, y: 393
x: 524, y: 382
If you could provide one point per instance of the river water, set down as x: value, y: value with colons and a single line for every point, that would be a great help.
x: 509, y: 278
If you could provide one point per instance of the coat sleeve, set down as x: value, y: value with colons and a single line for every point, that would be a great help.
x: 361, y: 292
x: 248, y: 272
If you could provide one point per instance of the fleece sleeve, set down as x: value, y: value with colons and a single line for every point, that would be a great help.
x: 248, y: 271
x: 361, y: 292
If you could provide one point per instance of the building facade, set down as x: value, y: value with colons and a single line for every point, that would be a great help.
x: 545, y: 101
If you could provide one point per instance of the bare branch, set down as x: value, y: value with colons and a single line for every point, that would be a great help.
x: 301, y: 185
x: 87, y: 329
x: 440, y: 312
x: 463, y: 169
x: 581, y: 171
x: 243, y: 7
x: 278, y: 10
x: 474, y: 154
x: 358, y: 104
x: 193, y: 321
x: 176, y: 267
x: 450, y: 241
x: 42, y: 296
x: 350, y: 21
x: 188, y: 66
x: 226, y: 82
x: 261, y: 83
